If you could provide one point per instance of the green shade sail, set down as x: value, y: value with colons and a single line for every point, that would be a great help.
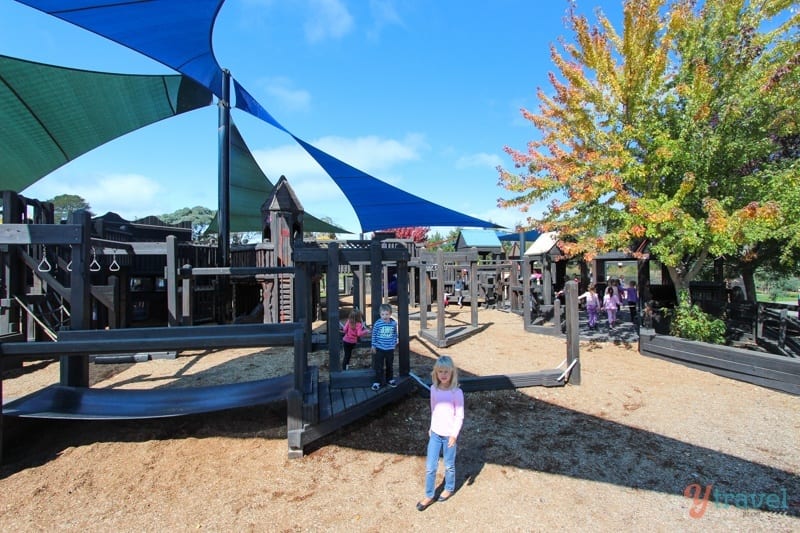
x: 51, y: 115
x: 250, y: 188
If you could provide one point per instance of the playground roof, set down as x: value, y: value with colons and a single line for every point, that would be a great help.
x: 177, y: 33
x: 544, y: 244
x: 479, y: 238
x: 530, y: 235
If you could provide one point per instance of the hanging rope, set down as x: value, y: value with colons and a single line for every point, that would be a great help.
x: 114, y: 266
x: 95, y: 266
x: 44, y: 264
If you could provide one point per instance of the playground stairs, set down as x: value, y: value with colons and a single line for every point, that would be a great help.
x: 47, y: 311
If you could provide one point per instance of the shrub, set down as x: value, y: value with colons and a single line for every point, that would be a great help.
x: 692, y: 323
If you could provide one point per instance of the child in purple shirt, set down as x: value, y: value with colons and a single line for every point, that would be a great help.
x: 447, y: 416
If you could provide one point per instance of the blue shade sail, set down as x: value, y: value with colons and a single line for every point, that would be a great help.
x: 379, y: 205
x: 176, y: 33
x: 247, y: 103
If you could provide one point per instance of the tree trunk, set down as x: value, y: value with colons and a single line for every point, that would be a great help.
x: 749, y: 279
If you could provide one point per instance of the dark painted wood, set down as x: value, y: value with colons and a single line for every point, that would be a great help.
x: 765, y: 370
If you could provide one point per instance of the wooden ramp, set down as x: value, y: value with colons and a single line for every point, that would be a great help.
x: 452, y: 334
x: 344, y: 399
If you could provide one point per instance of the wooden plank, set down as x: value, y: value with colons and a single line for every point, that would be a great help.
x: 84, y: 342
x: 352, y: 378
x: 738, y: 355
x: 768, y: 383
x: 724, y: 365
x: 349, y: 398
x: 547, y: 378
x: 361, y: 394
x: 337, y: 401
x: 341, y: 418
x: 41, y: 234
x: 325, y: 410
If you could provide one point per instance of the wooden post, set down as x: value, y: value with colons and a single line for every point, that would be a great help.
x: 115, y: 311
x: 527, y: 296
x: 473, y: 292
x: 573, y: 334
x: 14, y: 268
x: 187, y: 296
x: 74, y: 369
x: 171, y: 276
x: 375, y: 278
x: 424, y: 291
x: 402, y: 318
x: 332, y: 296
x: 440, y: 307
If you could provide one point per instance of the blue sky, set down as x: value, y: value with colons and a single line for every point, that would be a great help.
x: 421, y: 94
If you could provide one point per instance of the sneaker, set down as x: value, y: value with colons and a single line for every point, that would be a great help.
x: 393, y: 383
x: 376, y: 386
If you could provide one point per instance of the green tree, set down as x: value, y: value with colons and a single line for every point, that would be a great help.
x: 200, y: 217
x: 664, y: 132
x: 65, y: 204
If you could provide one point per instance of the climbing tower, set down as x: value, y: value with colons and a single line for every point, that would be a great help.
x: 282, y: 230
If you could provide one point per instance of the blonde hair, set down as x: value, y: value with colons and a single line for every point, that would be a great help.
x: 445, y: 361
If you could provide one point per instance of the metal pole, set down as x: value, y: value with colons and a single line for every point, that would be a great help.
x: 223, y: 214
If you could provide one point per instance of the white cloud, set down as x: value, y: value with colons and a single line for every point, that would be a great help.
x: 328, y: 19
x: 383, y: 14
x: 479, y: 160
x: 374, y: 154
x: 280, y: 89
x: 129, y: 195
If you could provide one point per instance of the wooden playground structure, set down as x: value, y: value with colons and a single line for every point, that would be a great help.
x: 280, y: 277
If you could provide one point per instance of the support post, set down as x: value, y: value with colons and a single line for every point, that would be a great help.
x: 332, y: 297
x: 573, y: 333
x: 171, y: 276
x: 74, y: 369
x: 402, y: 318
x: 440, y: 307
x: 224, y: 135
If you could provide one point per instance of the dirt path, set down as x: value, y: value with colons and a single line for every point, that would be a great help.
x: 615, y: 453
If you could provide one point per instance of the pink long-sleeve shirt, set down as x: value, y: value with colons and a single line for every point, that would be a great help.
x: 447, y: 411
x: 352, y: 333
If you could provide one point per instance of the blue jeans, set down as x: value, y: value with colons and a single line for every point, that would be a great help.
x: 437, y: 444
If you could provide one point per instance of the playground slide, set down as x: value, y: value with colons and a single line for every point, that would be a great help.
x: 81, y: 403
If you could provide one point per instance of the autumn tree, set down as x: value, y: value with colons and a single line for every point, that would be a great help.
x: 417, y: 234
x: 667, y: 131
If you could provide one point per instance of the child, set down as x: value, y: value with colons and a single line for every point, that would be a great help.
x: 384, y: 340
x: 592, y: 305
x: 459, y: 290
x: 353, y: 330
x: 611, y: 305
x: 447, y: 416
x: 632, y: 297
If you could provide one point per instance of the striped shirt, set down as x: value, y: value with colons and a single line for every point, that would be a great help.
x: 384, y: 334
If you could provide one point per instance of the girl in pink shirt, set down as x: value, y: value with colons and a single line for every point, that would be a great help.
x: 447, y: 416
x: 353, y: 330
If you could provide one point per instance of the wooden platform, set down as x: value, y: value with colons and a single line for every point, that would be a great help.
x: 339, y: 406
x: 452, y: 334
